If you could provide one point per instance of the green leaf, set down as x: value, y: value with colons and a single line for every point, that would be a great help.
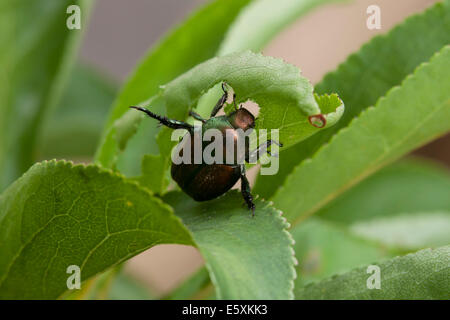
x: 409, y: 186
x: 409, y: 116
x: 74, y: 129
x: 125, y: 287
x: 116, y: 285
x: 285, y: 98
x: 276, y: 86
x: 368, y: 223
x: 37, y: 52
x: 247, y: 257
x: 111, y: 284
x: 193, y: 287
x: 129, y: 162
x: 262, y: 20
x: 403, y: 206
x: 254, y: 27
x: 154, y: 173
x: 175, y: 54
x: 407, y: 231
x: 59, y: 215
x: 324, y: 248
x: 423, y: 275
x: 367, y: 75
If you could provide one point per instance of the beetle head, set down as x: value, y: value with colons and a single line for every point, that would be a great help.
x: 242, y: 118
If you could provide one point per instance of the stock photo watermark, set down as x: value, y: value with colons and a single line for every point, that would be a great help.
x: 374, y: 281
x: 74, y: 280
x: 373, y: 21
x: 73, y: 22
x: 232, y: 147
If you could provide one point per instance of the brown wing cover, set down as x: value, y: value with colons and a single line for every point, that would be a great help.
x: 205, y: 182
x: 202, y: 181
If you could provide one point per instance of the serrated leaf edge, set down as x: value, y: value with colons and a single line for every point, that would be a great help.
x: 390, y: 261
x: 356, y: 119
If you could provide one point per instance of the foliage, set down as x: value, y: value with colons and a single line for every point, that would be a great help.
x: 397, y: 98
x: 36, y: 57
x: 427, y: 278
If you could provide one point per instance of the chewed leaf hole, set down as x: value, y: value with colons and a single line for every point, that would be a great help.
x: 317, y: 120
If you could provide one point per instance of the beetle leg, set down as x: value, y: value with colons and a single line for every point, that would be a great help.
x: 173, y: 124
x: 255, y: 154
x: 245, y: 190
x: 195, y: 115
x: 221, y: 101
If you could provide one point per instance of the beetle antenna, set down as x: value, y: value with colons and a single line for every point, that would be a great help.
x: 148, y: 112
x: 173, y: 124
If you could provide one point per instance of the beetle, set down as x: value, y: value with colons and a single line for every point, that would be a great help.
x: 203, y: 181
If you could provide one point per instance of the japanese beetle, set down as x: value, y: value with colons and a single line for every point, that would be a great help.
x: 203, y: 181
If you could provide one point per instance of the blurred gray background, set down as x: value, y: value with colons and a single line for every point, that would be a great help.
x: 120, y: 33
